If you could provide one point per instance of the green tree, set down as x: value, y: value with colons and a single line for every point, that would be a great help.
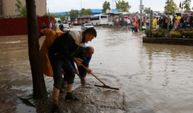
x: 21, y: 9
x: 147, y: 10
x: 74, y: 14
x: 63, y: 18
x: 122, y: 6
x: 39, y: 89
x: 170, y: 7
x: 85, y: 12
x: 106, y: 6
x: 186, y: 5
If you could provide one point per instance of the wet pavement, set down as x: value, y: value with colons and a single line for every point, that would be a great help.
x: 153, y: 78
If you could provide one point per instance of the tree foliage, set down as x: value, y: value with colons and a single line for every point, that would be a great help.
x: 122, y: 6
x: 186, y: 5
x: 170, y: 6
x: 85, y: 12
x: 74, y: 14
x: 147, y: 10
x: 106, y: 6
x: 21, y: 9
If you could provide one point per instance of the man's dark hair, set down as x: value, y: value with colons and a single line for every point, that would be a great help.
x: 90, y: 31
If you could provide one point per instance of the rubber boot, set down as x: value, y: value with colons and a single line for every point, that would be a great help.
x: 82, y: 81
x: 70, y: 95
x: 63, y: 88
x: 55, y: 99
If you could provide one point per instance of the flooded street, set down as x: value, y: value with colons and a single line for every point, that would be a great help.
x: 153, y: 78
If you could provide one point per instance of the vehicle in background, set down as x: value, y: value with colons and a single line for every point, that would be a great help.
x: 100, y: 19
x: 66, y: 27
x: 57, y: 23
x: 86, y: 26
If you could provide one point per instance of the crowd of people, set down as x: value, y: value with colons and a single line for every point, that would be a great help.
x: 162, y: 21
x: 171, y: 22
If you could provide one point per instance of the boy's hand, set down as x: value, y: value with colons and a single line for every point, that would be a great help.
x: 78, y: 61
x: 89, y: 71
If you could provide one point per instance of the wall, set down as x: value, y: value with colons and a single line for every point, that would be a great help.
x: 1, y: 8
x: 9, y: 7
x: 18, y: 26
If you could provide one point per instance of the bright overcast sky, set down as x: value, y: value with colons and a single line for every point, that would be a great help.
x: 67, y: 5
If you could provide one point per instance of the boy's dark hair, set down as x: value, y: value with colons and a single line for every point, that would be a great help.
x: 90, y: 31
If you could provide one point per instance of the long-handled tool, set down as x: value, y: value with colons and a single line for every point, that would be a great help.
x: 104, y: 85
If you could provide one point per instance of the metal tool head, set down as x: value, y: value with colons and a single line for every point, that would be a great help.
x: 106, y: 86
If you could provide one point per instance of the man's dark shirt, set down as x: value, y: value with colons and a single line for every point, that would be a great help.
x: 64, y: 47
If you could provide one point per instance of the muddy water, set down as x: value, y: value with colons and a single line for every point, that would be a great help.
x: 153, y: 78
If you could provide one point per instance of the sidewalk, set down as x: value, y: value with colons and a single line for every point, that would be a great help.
x: 15, y: 81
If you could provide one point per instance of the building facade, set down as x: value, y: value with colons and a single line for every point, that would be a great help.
x: 1, y: 8
x: 8, y: 8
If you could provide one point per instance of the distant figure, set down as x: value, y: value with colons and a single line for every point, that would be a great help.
x: 147, y: 23
x: 135, y: 25
x: 176, y: 24
x: 154, y: 23
x: 61, y: 26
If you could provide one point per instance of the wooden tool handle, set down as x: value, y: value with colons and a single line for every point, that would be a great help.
x: 93, y: 74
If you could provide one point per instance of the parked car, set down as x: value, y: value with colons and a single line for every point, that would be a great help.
x: 66, y: 27
x: 86, y: 26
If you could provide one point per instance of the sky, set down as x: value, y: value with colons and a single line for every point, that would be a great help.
x: 67, y: 5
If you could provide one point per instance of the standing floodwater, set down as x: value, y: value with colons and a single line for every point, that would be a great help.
x: 153, y: 78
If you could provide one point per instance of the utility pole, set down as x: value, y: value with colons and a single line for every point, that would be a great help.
x: 80, y: 4
x: 112, y: 7
x: 80, y: 14
x: 141, y: 9
x: 151, y: 19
